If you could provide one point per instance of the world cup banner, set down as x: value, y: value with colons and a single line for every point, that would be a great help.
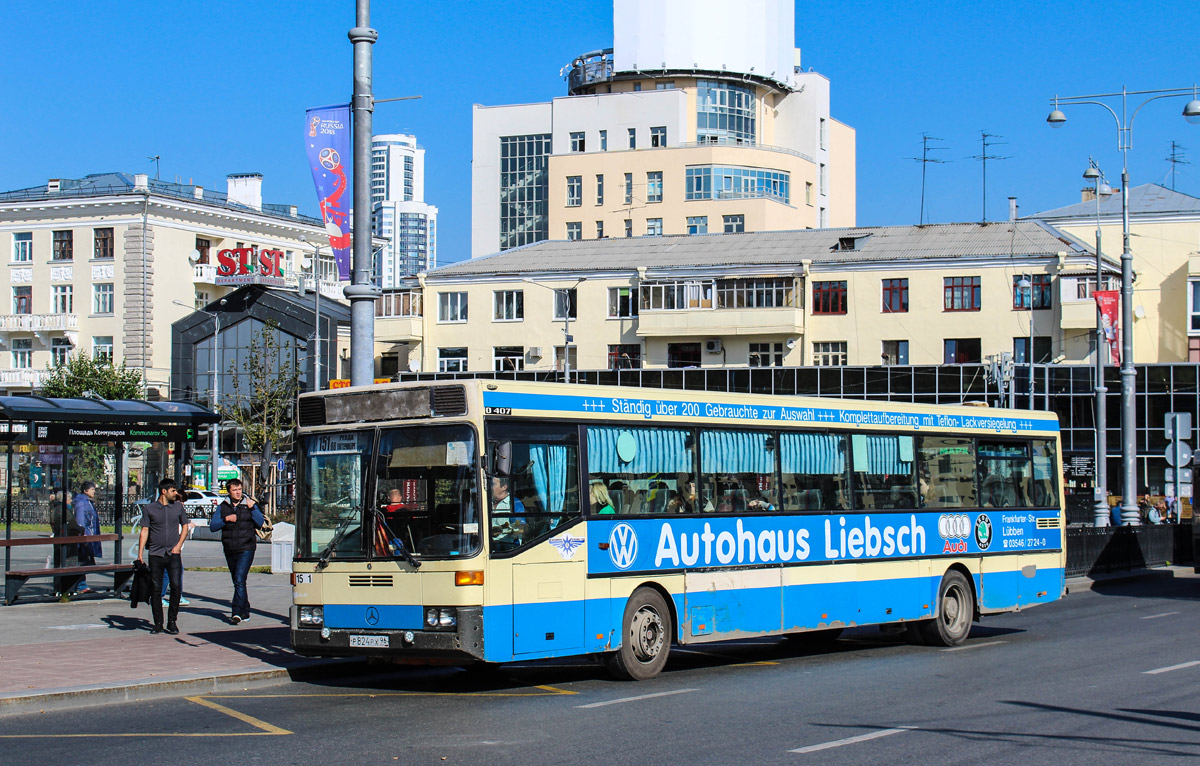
x: 327, y: 136
x: 1109, y: 302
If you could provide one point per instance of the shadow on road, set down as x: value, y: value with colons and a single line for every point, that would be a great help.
x: 1157, y: 584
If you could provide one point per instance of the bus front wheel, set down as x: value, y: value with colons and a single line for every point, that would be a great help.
x: 645, y: 637
x: 956, y: 611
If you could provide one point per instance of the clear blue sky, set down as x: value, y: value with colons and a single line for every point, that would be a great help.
x: 218, y: 87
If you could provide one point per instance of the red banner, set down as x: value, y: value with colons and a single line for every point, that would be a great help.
x: 1109, y: 302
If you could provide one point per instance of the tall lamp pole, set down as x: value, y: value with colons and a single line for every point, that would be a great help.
x: 566, y: 292
x: 1191, y: 112
x: 315, y: 267
x: 1101, y: 515
x: 215, y: 444
x: 1026, y: 286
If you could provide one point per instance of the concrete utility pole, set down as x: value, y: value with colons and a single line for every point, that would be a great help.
x: 361, y: 293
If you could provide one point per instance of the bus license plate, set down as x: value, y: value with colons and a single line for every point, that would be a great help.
x: 374, y: 642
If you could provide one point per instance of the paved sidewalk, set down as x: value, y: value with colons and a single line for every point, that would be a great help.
x: 97, y: 649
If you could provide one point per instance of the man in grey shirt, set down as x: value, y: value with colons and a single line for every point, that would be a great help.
x: 164, y: 528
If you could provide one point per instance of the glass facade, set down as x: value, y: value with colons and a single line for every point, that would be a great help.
x: 232, y: 360
x: 524, y: 188
x: 724, y: 112
x: 728, y: 182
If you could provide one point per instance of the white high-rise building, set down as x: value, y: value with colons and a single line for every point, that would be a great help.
x: 399, y: 213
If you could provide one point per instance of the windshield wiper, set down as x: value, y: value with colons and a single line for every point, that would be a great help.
x: 338, y: 534
x: 395, y: 545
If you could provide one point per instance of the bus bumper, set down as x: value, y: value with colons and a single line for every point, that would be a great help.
x: 465, y: 642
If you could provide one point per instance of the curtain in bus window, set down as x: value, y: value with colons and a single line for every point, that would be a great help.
x: 739, y: 472
x: 1045, y: 475
x: 814, y: 471
x: 549, y: 466
x: 946, y: 472
x: 641, y: 470
x: 883, y: 469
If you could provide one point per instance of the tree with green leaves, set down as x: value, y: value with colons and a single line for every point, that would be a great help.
x: 82, y: 375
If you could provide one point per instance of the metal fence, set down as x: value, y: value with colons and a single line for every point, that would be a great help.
x: 1104, y: 550
x: 39, y: 512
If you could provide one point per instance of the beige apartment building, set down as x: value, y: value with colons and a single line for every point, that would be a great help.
x: 952, y: 293
x: 677, y: 129
x: 105, y: 264
x: 1164, y: 227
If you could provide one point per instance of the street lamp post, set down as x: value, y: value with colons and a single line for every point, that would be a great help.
x: 1101, y: 515
x: 1026, y: 284
x: 1191, y: 112
x: 214, y: 446
x: 566, y: 322
x: 315, y: 268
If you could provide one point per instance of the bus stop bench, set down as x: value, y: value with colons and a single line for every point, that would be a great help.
x: 67, y: 577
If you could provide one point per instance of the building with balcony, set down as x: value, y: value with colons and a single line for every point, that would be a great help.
x: 399, y: 213
x: 1164, y: 227
x: 901, y: 295
x: 696, y: 121
x: 101, y: 264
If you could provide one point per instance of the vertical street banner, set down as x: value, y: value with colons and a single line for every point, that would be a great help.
x: 327, y: 136
x: 1109, y: 302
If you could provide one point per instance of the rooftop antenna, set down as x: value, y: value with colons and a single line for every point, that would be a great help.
x: 925, y: 159
x: 1177, y: 158
x: 983, y: 157
x: 157, y: 165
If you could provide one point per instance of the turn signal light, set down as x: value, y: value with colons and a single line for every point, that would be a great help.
x: 468, y: 578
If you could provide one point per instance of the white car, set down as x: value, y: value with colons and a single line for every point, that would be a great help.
x: 200, y: 505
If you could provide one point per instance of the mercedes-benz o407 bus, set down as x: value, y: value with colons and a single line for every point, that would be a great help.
x: 500, y: 521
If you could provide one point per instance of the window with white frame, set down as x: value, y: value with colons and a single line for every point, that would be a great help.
x: 622, y: 303
x: 766, y: 355
x: 599, y: 229
x: 452, y: 360
x: 734, y: 224
x: 829, y: 353
x: 565, y: 303
x: 508, y: 358
x: 895, y: 352
x: 760, y: 293
x: 1085, y: 286
x: 676, y: 296
x: 654, y: 186
x: 509, y: 305
x: 452, y: 307
x: 599, y: 188
x: 658, y: 136
x: 823, y: 134
x: 574, y: 191
x: 629, y: 227
x: 577, y: 141
x: 102, y: 298
x: 633, y: 138
x: 567, y: 353
x: 654, y: 227
x: 60, y: 350
x: 604, y: 140
x: 629, y: 188
x: 22, y: 247
x: 697, y: 224
x: 823, y: 179
x: 22, y: 353
x: 102, y: 347
x: 574, y: 230
x: 203, y: 298
x: 1193, y: 307
x: 63, y: 299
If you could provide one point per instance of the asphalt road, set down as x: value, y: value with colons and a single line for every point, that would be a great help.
x: 1103, y: 677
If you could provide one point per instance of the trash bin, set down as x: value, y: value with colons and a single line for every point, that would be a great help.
x: 283, y: 536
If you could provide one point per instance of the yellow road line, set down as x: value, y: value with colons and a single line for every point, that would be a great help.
x: 550, y: 692
x: 255, y: 722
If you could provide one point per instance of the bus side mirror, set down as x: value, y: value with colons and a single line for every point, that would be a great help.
x: 501, y: 459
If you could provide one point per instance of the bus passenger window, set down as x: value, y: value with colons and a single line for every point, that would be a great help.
x: 946, y: 472
x: 644, y: 470
x: 739, y: 471
x: 541, y: 492
x: 1004, y: 474
x: 1045, y: 478
x: 883, y: 471
x: 814, y: 471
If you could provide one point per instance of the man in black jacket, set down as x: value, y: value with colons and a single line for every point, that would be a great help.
x: 238, y: 520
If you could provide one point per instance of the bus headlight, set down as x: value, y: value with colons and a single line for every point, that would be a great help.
x: 441, y: 617
x: 312, y: 615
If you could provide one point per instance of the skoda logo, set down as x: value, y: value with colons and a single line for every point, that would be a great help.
x: 372, y: 615
x: 983, y: 531
x: 622, y: 546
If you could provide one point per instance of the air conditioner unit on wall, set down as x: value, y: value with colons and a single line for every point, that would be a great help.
x: 712, y: 346
x: 535, y: 352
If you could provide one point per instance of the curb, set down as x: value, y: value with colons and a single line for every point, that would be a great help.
x: 184, y: 686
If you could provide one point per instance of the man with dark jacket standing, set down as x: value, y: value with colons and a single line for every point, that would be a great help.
x: 238, y: 520
x: 164, y: 528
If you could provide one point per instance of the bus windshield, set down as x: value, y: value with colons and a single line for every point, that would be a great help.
x: 424, y: 499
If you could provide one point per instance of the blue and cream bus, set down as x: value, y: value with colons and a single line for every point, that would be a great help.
x: 499, y: 521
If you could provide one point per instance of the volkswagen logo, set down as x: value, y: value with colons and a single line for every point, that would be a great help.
x: 622, y: 546
x: 372, y: 616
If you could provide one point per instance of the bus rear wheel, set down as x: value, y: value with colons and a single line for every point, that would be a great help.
x: 645, y: 637
x: 956, y: 610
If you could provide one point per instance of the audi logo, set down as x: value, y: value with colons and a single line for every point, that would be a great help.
x: 954, y: 526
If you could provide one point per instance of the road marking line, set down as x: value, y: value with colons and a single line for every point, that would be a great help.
x: 1180, y: 666
x: 550, y: 692
x: 1156, y: 616
x: 972, y: 646
x: 756, y: 662
x: 555, y: 689
x: 635, y: 699
x: 139, y: 735
x: 255, y: 722
x: 853, y: 740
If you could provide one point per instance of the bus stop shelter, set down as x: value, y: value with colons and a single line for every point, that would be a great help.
x: 51, y: 446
